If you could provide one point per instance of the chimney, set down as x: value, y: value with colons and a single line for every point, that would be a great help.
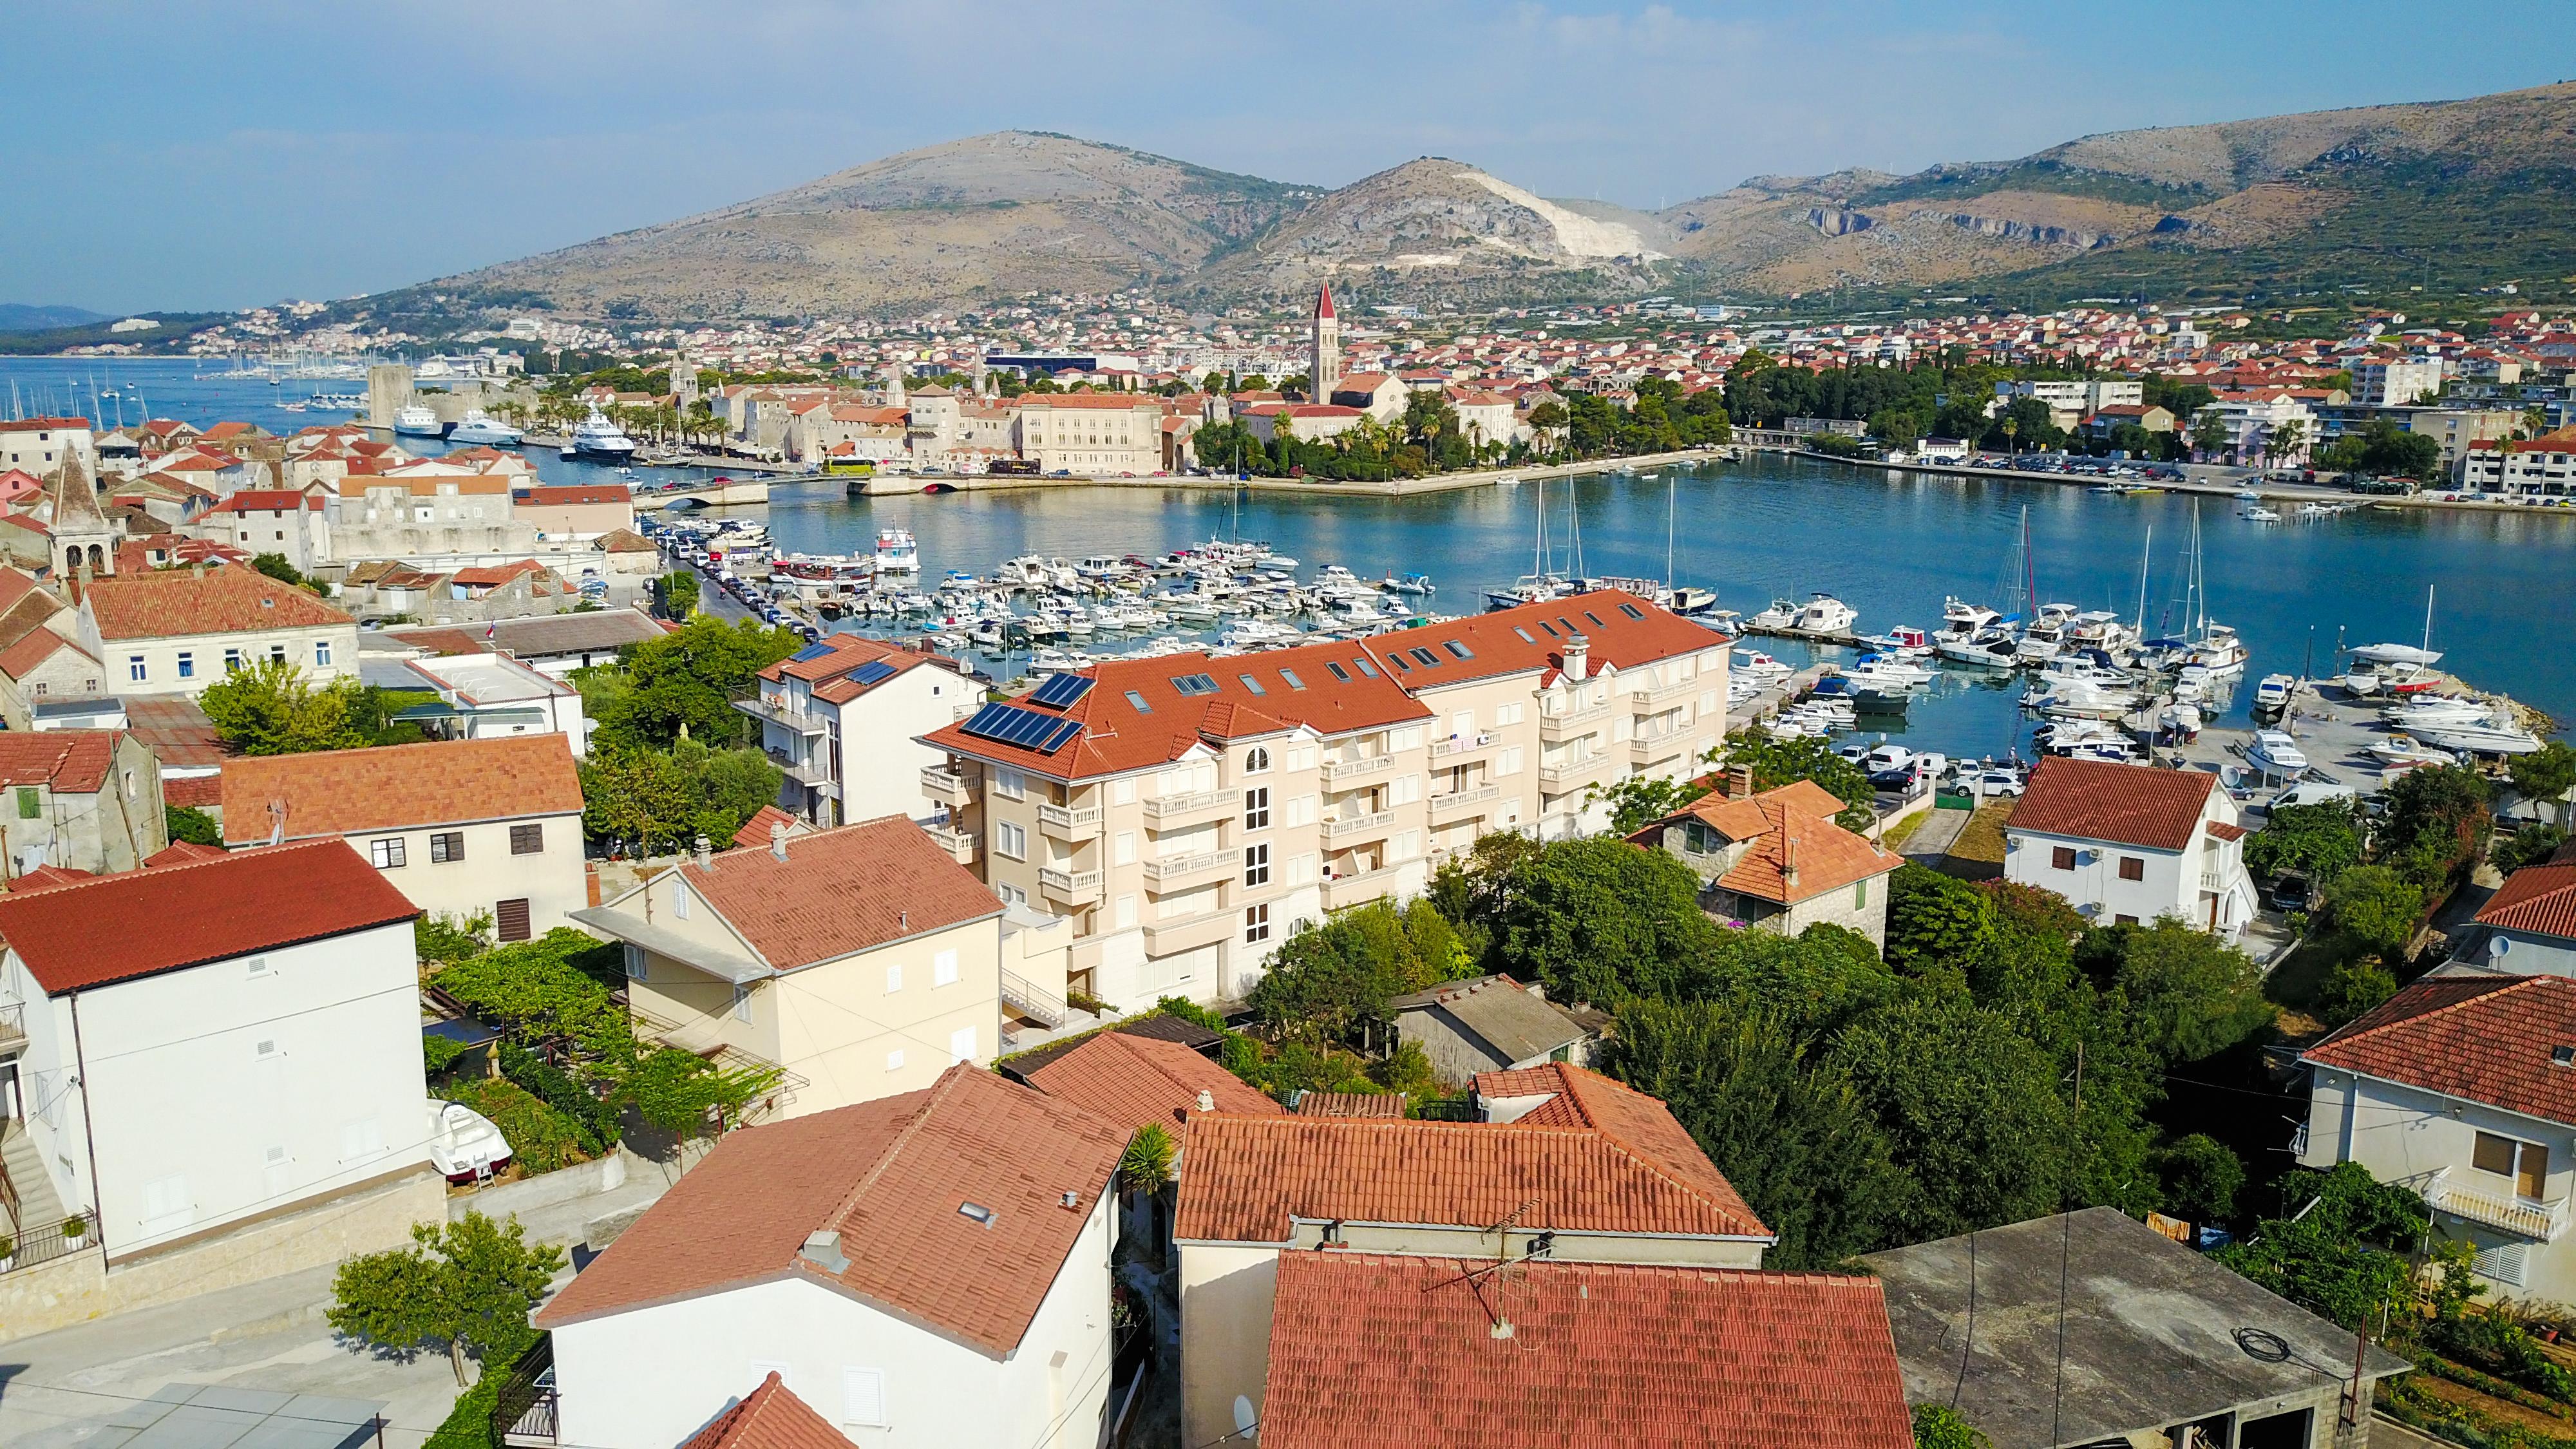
x: 199, y: 568
x: 778, y: 838
x: 1207, y: 1100
x: 706, y: 854
x: 823, y: 1250
x: 1739, y: 781
x: 1788, y: 856
x: 1577, y: 656
x: 1071, y: 1200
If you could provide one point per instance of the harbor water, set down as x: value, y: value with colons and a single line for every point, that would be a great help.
x: 1891, y: 544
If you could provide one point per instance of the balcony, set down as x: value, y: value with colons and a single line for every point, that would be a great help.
x: 945, y: 786
x: 1189, y: 933
x: 960, y: 844
x: 1462, y: 802
x: 1649, y: 751
x: 1556, y: 727
x: 1073, y: 887
x: 13, y: 1026
x: 2542, y: 1222
x: 1169, y: 812
x: 1465, y: 744
x: 1557, y: 779
x: 1177, y: 872
x: 1351, y: 890
x: 1069, y: 822
x: 1336, y: 775
x: 1658, y: 693
x: 785, y: 716
x: 813, y: 775
x: 1358, y: 827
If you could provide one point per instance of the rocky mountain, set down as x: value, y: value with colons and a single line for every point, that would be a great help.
x: 26, y: 317
x: 2465, y: 191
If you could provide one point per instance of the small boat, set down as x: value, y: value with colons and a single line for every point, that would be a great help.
x: 1825, y: 614
x: 2398, y: 654
x: 2276, y: 753
x: 1416, y: 584
x: 417, y: 421
x: 2494, y: 734
x: 1782, y: 614
x: 1689, y: 599
x: 2257, y: 513
x: 2407, y: 750
x: 2275, y: 692
x: 463, y: 1143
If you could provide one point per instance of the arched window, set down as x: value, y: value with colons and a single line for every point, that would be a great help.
x: 97, y: 558
x: 1256, y: 761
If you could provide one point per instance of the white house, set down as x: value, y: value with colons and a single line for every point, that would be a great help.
x: 843, y: 718
x: 485, y: 696
x: 216, y: 1043
x: 178, y: 631
x: 2463, y: 1088
x: 476, y: 827
x: 928, y: 1269
x: 2530, y: 924
x: 2130, y: 844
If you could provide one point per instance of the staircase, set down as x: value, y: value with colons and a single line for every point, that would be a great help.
x: 27, y: 1196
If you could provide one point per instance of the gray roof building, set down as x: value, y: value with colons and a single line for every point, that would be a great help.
x: 1490, y: 1024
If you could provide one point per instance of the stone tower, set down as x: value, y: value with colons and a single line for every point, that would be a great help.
x: 83, y: 535
x: 684, y: 382
x: 894, y: 385
x: 1324, y: 372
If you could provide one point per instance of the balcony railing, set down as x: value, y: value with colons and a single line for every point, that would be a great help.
x: 1458, y: 802
x: 1464, y: 744
x: 1572, y: 722
x: 1350, y: 890
x: 44, y: 1242
x: 1069, y: 822
x: 1171, y: 871
x: 524, y: 1412
x: 1557, y: 779
x: 1073, y: 887
x: 784, y: 715
x: 809, y: 773
x: 1335, y: 774
x: 1163, y: 810
x: 2541, y: 1222
x: 13, y: 1026
x: 1357, y: 825
x: 1645, y: 751
x: 945, y: 786
x: 1658, y: 693
x: 960, y: 844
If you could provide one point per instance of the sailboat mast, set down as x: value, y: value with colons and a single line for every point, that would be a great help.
x: 2146, y: 557
x: 1538, y: 548
x: 2428, y: 618
x: 1672, y: 503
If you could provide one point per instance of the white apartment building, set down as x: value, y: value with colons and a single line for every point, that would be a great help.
x: 2542, y: 467
x: 1097, y: 434
x: 1188, y: 812
x: 2071, y: 400
x: 2252, y: 423
x: 2127, y: 845
x: 844, y: 718
x: 271, y: 520
x: 178, y: 631
x: 38, y: 446
x: 210, y: 1045
x: 2396, y: 383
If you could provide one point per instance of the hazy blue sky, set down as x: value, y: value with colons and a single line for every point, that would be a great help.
x: 221, y: 155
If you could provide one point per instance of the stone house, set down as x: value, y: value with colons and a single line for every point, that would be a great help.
x: 1776, y: 861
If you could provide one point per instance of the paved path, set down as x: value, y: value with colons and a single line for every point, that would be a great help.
x: 1931, y: 839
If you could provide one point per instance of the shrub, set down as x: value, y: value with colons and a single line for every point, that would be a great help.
x: 551, y: 1085
x: 469, y: 1424
x: 541, y: 1138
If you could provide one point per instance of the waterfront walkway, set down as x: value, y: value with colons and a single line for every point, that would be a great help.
x: 2208, y: 480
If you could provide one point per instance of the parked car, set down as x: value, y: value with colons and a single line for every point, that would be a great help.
x: 2292, y: 892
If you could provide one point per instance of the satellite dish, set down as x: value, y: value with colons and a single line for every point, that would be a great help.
x: 1245, y: 1421
x: 2501, y: 945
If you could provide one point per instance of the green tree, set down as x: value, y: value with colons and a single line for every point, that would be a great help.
x: 1599, y: 920
x: 1146, y: 1165
x: 273, y: 708
x: 2322, y: 841
x: 2379, y: 907
x: 465, y: 1287
x: 1328, y: 979
x: 1971, y: 1107
x: 2531, y: 845
x: 2187, y: 994
x: 2435, y: 828
x: 1640, y: 800
x: 2201, y: 1178
x: 686, y: 682
x: 678, y: 1091
x: 192, y: 825
x: 276, y: 566
x: 1936, y: 924
x: 1778, y: 762
x: 2209, y: 432
x: 679, y: 593
x: 441, y: 938
x: 2340, y: 1247
x: 1938, y: 1426
x: 647, y: 800
x: 2545, y: 774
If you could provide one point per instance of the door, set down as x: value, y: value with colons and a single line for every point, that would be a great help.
x: 2532, y: 1173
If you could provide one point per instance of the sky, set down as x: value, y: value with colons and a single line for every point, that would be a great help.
x: 212, y: 156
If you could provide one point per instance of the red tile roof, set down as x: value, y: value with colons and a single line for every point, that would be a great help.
x: 558, y: 494
x: 195, y: 792
x: 1598, y: 1353
x: 840, y: 891
x: 2479, y: 1038
x: 1350, y: 1104
x: 2123, y: 804
x: 890, y: 1177
x: 225, y: 600
x: 138, y: 923
x: 1791, y: 827
x: 1624, y: 1166
x: 34, y: 648
x: 754, y: 834
x: 182, y: 852
x: 1133, y: 1080
x: 2540, y: 899
x: 72, y: 762
x: 1533, y: 637
x: 769, y: 1417
x: 442, y: 782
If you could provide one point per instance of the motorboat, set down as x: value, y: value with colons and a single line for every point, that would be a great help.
x: 1530, y: 589
x: 1783, y: 614
x: 463, y: 1143
x: 596, y: 437
x: 2495, y: 734
x: 2435, y: 709
x: 2257, y: 513
x: 1991, y: 648
x: 896, y: 552
x: 1692, y: 600
x: 2362, y: 683
x: 2275, y: 692
x: 2407, y: 750
x: 2276, y: 753
x: 1961, y: 619
x: 1904, y: 640
x: 2074, y: 699
x: 481, y: 427
x: 417, y: 421
x: 1419, y: 585
x: 1825, y: 614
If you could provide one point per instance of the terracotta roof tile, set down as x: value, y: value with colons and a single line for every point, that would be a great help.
x: 71, y: 762
x: 1791, y: 826
x: 559, y: 494
x: 2122, y: 804
x: 1628, y: 1167
x: 442, y: 782
x: 137, y: 923
x: 2480, y: 1038
x: 226, y: 600
x: 841, y: 891
x: 1496, y: 644
x: 754, y: 834
x: 1350, y: 1104
x: 34, y: 648
x: 1361, y: 1342
x: 890, y: 1177
x: 1133, y: 1080
x: 769, y: 1417
x: 2540, y: 899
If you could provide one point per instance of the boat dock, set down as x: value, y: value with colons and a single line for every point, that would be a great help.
x: 1843, y: 638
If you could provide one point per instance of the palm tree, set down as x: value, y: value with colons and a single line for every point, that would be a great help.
x: 2012, y: 429
x: 2287, y: 439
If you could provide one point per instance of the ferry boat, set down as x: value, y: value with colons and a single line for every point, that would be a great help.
x: 481, y: 427
x: 417, y: 421
x: 896, y: 552
x: 596, y: 437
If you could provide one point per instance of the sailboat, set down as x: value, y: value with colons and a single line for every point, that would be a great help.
x: 2422, y: 657
x: 2213, y: 646
x: 1540, y: 582
x: 1679, y: 598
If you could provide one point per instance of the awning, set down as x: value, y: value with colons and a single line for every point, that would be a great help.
x: 661, y: 941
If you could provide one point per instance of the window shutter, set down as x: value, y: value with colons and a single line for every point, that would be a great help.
x: 510, y: 919
x: 863, y: 1397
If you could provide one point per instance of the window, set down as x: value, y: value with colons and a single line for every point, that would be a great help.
x: 1364, y: 667
x: 277, y: 654
x: 1457, y: 650
x: 232, y: 661
x: 361, y: 1139
x: 447, y: 847
x: 1339, y: 672
x: 1011, y: 895
x: 510, y: 919
x: 1699, y: 839
x: 1256, y: 761
x: 1137, y: 701
x: 1256, y: 808
x: 2132, y: 868
x: 30, y: 804
x: 527, y: 839
x: 636, y: 968
x: 2124, y: 920
x: 1009, y: 784
x: 2527, y: 1163
x: 1256, y: 865
x: 256, y: 966
x: 894, y: 979
x: 680, y: 900
x: 741, y: 1003
x: 187, y: 665
x: 134, y: 668
x: 1860, y: 895
x: 1631, y: 611
x: 1398, y: 661
x: 388, y: 853
x: 1425, y: 658
x: 2062, y: 858
x: 961, y: 1044
x: 863, y: 1391
x: 1293, y: 681
x: 894, y: 1060
x: 1193, y: 684
x: 1256, y: 924
x: 1252, y: 684
x: 1010, y: 840
x: 322, y: 652
x: 943, y: 969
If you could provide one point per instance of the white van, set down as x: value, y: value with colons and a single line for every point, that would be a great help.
x: 2312, y: 792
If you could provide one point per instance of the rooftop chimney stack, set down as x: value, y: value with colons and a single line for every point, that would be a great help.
x: 1207, y: 1100
x: 823, y: 1250
x: 706, y: 854
x: 1578, y: 657
x: 778, y: 838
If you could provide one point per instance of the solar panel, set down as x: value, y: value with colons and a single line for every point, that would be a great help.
x: 1061, y: 691
x: 1026, y: 729
x: 872, y: 671
x: 812, y: 651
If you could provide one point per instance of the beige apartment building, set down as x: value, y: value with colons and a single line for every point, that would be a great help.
x: 1189, y: 812
x: 177, y: 631
x: 1092, y: 433
x: 863, y: 961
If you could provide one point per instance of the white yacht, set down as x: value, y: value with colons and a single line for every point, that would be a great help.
x: 596, y: 437
x: 1782, y: 614
x: 418, y: 421
x: 1825, y: 614
x: 2493, y: 734
x: 481, y: 427
x: 2275, y: 692
x: 896, y: 552
x: 2397, y: 654
x: 1962, y: 620
x: 2275, y: 753
x: 463, y: 1143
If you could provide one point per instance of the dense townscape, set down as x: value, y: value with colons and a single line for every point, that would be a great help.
x: 515, y: 933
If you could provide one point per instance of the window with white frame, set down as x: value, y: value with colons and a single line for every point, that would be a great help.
x: 1256, y: 924
x: 135, y: 669
x: 894, y: 979
x: 961, y: 1044
x: 1010, y: 841
x: 894, y: 1060
x: 1256, y: 865
x: 863, y: 1397
x: 943, y: 969
x: 1010, y: 784
x: 1256, y: 761
x: 1256, y: 808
